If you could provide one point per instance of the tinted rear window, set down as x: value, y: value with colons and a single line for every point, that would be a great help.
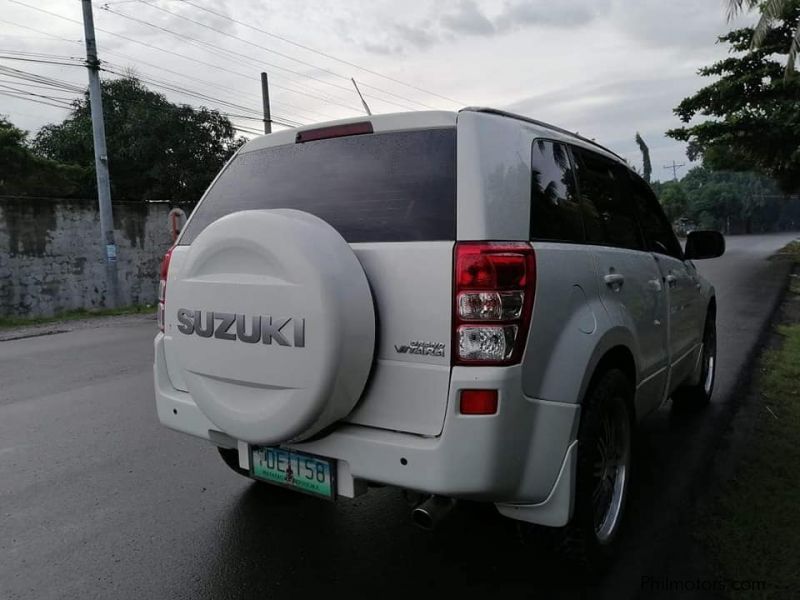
x: 610, y: 216
x: 393, y: 187
x: 555, y: 211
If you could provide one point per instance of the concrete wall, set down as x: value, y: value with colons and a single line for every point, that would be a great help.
x: 51, y: 259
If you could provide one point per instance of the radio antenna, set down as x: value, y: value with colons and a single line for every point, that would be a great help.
x: 364, y: 102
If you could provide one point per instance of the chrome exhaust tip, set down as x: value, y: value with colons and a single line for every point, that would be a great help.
x: 431, y: 512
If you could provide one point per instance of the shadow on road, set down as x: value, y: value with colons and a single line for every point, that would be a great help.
x: 278, y: 544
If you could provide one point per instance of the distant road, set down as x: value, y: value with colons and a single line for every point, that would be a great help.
x: 98, y: 500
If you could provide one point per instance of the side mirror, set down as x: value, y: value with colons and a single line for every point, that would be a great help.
x: 704, y: 244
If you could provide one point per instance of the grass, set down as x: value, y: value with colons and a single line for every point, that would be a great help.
x: 753, y: 529
x: 73, y: 315
x: 790, y: 251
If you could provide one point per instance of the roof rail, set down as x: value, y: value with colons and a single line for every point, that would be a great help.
x: 503, y: 113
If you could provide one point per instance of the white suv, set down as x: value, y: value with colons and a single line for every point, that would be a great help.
x: 464, y: 305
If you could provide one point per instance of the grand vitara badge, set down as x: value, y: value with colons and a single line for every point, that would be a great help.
x: 232, y: 326
x: 421, y: 347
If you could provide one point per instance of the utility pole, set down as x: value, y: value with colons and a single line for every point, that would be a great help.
x: 674, y: 168
x: 101, y: 159
x: 265, y: 100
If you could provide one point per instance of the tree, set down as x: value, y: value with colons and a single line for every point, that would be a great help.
x: 673, y: 199
x: 735, y: 202
x: 156, y: 149
x: 754, y: 112
x: 22, y: 173
x: 647, y: 166
x: 771, y: 11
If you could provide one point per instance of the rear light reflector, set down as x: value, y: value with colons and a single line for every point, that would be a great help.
x: 324, y: 133
x: 494, y: 285
x: 478, y: 402
x: 162, y: 288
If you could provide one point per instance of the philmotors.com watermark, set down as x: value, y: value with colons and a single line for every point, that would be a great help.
x: 667, y: 584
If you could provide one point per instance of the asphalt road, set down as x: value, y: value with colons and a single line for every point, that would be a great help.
x: 97, y: 500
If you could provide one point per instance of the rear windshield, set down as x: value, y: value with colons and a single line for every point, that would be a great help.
x: 392, y: 187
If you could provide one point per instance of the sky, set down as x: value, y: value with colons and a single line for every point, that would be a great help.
x: 603, y: 68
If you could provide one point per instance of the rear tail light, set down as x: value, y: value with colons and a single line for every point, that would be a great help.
x: 493, y: 297
x: 162, y: 288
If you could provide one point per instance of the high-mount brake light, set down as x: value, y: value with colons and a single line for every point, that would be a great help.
x: 494, y: 285
x: 334, y: 131
x: 162, y: 288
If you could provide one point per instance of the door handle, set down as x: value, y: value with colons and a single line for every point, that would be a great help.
x: 614, y: 280
x: 672, y: 281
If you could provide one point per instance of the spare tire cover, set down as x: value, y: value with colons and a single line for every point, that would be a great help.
x: 293, y: 325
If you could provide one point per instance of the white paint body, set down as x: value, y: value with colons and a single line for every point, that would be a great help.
x: 404, y: 428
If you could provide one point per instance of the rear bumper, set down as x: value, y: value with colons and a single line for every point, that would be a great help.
x: 515, y: 456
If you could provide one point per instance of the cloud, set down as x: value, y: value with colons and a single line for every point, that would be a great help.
x: 385, y: 49
x: 565, y: 13
x: 604, y: 67
x: 612, y: 113
x: 684, y: 25
x: 418, y: 36
x: 467, y: 19
x: 220, y: 23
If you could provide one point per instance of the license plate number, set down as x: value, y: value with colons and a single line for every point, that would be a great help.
x: 296, y: 470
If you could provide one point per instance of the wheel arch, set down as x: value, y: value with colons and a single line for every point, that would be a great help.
x: 712, y: 306
x: 615, y: 356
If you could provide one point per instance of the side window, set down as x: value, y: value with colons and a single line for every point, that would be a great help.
x: 658, y: 234
x: 608, y: 212
x: 555, y: 211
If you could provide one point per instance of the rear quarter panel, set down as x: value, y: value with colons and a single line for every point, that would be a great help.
x: 570, y: 328
x: 494, y: 177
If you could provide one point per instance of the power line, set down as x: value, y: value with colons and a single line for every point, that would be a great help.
x: 320, y: 52
x: 29, y: 93
x: 34, y: 85
x: 230, y: 71
x: 187, y: 37
x: 248, y: 130
x: 229, y: 55
x: 199, y: 95
x: 39, y: 55
x: 22, y: 97
x: 186, y: 57
x: 116, y: 70
x: 114, y: 52
x: 42, y: 61
x: 281, y: 54
x: 286, y: 56
x: 209, y: 83
x: 36, y: 78
x: 47, y: 33
x: 25, y: 77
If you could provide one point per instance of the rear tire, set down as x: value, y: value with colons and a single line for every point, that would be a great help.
x: 699, y: 395
x: 605, y: 448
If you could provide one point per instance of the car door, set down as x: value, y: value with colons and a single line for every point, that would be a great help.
x: 629, y: 279
x: 679, y: 277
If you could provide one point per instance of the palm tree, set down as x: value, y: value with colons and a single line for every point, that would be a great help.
x: 771, y: 11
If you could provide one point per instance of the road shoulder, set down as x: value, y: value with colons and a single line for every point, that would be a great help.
x: 58, y: 325
x: 748, y: 525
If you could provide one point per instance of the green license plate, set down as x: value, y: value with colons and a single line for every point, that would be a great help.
x: 296, y: 470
